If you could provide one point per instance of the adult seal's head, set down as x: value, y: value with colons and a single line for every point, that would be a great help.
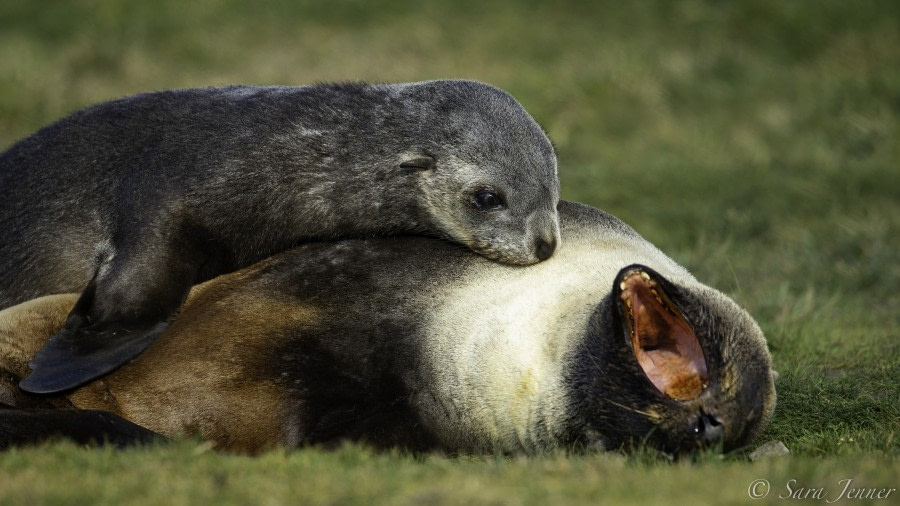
x: 487, y: 169
x: 686, y: 367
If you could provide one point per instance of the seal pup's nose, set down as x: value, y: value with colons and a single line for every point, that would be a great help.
x: 709, y: 430
x: 544, y: 249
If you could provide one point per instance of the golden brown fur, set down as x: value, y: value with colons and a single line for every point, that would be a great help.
x: 183, y: 384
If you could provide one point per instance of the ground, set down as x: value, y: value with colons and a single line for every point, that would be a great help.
x: 756, y: 142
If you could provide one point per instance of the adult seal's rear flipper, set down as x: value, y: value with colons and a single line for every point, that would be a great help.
x: 74, y: 357
x: 20, y: 427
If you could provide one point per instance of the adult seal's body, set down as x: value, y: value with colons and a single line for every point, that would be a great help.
x: 415, y: 343
x: 132, y: 201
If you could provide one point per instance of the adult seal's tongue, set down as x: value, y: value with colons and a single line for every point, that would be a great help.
x: 664, y: 344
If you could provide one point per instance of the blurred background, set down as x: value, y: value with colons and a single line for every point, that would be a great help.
x: 756, y: 142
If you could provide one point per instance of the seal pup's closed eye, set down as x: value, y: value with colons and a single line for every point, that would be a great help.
x: 132, y: 201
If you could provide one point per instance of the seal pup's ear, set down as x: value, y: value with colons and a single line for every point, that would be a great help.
x: 420, y: 163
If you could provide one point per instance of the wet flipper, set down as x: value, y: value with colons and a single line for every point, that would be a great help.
x: 74, y: 357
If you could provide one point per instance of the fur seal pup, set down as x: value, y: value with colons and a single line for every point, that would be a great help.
x: 411, y: 342
x: 133, y: 201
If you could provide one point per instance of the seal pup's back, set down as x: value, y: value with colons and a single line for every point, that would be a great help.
x: 134, y: 200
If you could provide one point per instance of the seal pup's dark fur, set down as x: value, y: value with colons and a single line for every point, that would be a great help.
x: 132, y: 201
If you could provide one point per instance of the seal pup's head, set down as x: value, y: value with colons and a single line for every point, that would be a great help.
x: 487, y: 169
x: 683, y: 367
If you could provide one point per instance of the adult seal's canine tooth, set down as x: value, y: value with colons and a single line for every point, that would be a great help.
x: 416, y: 343
x: 132, y: 201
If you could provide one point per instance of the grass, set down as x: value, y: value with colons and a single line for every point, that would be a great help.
x: 756, y: 142
x: 190, y: 474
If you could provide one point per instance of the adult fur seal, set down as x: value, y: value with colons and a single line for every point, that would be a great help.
x: 411, y: 342
x: 132, y: 201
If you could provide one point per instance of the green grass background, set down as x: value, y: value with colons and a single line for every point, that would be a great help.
x: 756, y: 142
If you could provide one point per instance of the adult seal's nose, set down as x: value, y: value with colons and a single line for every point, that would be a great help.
x: 709, y: 430
x: 544, y: 249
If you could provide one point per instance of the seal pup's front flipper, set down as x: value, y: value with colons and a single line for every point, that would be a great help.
x: 118, y: 315
x: 74, y: 357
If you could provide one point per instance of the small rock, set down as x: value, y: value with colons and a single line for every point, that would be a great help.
x: 768, y: 450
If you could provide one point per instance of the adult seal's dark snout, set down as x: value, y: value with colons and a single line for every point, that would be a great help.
x: 132, y: 201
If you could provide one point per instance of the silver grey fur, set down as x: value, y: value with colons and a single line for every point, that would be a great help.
x: 192, y: 183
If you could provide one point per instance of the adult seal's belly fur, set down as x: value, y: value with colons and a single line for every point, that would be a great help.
x: 418, y: 343
x: 132, y: 201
